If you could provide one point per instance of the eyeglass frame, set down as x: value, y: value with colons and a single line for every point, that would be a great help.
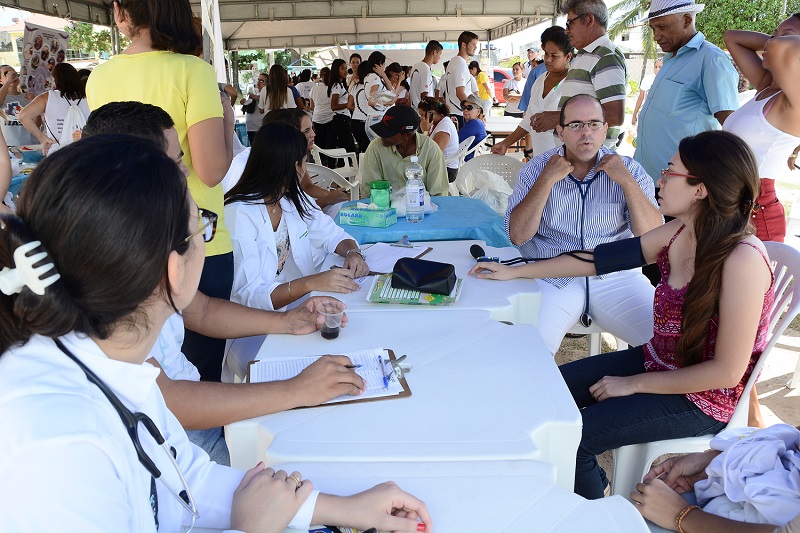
x: 469, y: 107
x: 588, y: 124
x: 665, y: 173
x: 212, y: 218
x: 569, y: 22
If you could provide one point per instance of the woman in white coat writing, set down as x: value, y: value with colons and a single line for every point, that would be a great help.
x: 107, y: 245
x: 280, y: 236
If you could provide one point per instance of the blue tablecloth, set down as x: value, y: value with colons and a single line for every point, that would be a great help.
x: 458, y: 218
x: 16, y: 183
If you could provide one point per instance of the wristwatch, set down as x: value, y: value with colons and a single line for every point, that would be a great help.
x: 355, y: 251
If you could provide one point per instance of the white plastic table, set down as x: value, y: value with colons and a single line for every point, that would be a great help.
x: 471, y: 497
x: 481, y: 391
x: 516, y: 301
x: 496, y: 497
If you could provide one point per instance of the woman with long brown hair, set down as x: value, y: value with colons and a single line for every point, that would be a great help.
x: 711, y: 309
x: 278, y: 94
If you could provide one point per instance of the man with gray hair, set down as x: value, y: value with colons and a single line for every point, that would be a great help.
x: 598, y: 68
x: 694, y: 91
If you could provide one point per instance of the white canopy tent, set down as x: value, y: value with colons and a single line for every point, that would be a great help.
x: 254, y: 24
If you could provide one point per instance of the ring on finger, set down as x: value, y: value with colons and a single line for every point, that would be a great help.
x: 297, y: 481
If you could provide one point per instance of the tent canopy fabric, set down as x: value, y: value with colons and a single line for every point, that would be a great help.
x: 253, y: 24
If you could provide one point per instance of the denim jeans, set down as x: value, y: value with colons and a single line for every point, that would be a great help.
x: 625, y: 420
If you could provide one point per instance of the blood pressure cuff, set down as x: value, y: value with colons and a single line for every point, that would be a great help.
x: 424, y: 276
x: 618, y: 255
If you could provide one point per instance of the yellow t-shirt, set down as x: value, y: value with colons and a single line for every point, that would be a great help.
x: 481, y: 78
x: 185, y: 87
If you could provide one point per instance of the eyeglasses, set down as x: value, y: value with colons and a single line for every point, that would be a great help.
x: 207, y: 225
x: 467, y: 107
x: 593, y: 125
x: 261, y: 81
x: 666, y: 173
x: 570, y: 21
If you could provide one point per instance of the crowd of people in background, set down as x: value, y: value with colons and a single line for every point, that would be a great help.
x: 165, y: 237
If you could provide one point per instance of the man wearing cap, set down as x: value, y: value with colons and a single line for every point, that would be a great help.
x: 694, y: 91
x: 532, y: 62
x: 386, y: 158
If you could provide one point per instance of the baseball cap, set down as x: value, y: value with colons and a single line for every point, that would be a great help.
x: 398, y: 119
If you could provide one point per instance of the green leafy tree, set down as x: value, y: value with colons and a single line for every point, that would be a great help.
x: 755, y: 15
x: 83, y: 37
x: 283, y: 57
x: 628, y: 14
x: 248, y: 58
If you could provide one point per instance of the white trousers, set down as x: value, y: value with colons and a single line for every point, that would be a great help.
x: 621, y: 304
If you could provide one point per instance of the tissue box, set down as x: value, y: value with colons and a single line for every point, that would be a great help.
x: 374, y: 218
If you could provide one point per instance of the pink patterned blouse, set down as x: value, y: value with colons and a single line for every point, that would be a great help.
x: 659, y: 353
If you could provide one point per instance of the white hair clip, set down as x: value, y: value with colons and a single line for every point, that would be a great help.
x: 13, y: 280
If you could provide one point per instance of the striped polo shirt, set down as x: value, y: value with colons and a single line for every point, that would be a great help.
x: 579, y: 214
x: 599, y: 70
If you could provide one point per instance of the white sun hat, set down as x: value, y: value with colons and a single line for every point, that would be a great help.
x: 659, y: 8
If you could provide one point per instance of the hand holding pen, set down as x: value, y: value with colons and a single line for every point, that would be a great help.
x: 327, y: 378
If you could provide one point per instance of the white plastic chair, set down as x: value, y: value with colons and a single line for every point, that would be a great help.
x: 595, y: 342
x: 502, y: 165
x: 350, y: 170
x: 463, y: 148
x: 325, y: 177
x: 632, y: 462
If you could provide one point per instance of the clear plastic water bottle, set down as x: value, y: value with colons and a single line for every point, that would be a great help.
x: 415, y: 191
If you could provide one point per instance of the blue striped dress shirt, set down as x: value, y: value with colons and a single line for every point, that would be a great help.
x: 579, y: 214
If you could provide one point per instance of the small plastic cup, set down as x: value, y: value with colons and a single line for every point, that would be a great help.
x: 333, y: 320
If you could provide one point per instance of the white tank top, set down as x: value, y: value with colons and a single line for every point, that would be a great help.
x: 771, y: 146
x: 56, y: 111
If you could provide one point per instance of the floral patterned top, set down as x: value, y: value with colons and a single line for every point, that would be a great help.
x: 659, y: 353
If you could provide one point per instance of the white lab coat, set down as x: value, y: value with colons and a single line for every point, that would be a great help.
x: 67, y: 462
x: 255, y: 254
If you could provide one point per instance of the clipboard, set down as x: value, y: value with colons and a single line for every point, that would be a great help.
x: 405, y: 391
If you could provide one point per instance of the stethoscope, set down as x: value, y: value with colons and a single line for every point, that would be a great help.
x: 583, y: 189
x: 131, y: 421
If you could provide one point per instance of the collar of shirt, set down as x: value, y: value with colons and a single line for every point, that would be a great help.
x: 418, y: 142
x: 132, y: 383
x: 603, y: 40
x: 694, y: 43
x: 593, y: 173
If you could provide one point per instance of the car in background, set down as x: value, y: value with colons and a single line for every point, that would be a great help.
x: 500, y: 76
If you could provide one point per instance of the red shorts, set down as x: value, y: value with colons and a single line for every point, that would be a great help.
x: 769, y: 216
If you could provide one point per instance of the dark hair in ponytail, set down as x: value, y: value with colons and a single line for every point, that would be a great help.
x: 108, y: 210
x: 170, y: 23
x: 726, y: 166
x: 437, y: 106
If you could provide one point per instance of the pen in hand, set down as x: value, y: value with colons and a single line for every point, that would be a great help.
x: 352, y: 366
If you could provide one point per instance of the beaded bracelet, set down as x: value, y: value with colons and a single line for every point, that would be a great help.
x: 686, y: 510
